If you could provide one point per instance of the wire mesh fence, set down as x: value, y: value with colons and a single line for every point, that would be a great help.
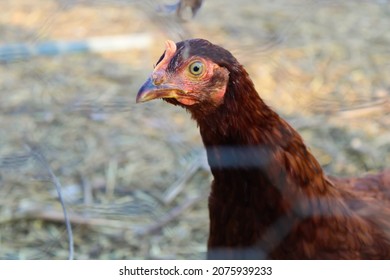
x: 134, y: 178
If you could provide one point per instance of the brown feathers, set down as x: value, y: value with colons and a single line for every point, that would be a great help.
x: 270, y: 197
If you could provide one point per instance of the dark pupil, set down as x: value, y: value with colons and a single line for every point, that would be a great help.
x: 196, y: 68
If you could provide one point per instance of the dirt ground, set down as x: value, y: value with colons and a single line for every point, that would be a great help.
x: 133, y: 176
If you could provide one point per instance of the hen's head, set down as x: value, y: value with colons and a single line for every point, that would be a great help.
x: 192, y: 73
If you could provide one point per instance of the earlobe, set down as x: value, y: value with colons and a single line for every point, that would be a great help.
x: 221, y: 79
x: 219, y: 95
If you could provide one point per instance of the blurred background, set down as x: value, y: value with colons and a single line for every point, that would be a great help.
x: 133, y: 177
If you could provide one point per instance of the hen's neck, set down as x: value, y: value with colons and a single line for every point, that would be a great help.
x: 248, y: 143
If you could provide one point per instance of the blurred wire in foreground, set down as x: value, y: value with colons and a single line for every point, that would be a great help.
x: 37, y: 155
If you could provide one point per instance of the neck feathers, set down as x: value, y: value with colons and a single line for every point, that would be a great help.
x: 244, y: 137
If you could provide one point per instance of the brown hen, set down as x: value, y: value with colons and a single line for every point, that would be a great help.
x: 270, y: 197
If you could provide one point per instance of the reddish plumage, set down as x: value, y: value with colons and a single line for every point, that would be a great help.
x: 270, y: 197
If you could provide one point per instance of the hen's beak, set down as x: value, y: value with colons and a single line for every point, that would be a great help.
x: 150, y: 91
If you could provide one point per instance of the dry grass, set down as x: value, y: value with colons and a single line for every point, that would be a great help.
x: 133, y: 177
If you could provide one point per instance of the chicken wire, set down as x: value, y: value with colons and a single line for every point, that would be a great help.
x: 134, y: 177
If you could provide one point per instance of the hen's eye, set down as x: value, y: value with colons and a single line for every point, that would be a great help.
x: 196, y: 68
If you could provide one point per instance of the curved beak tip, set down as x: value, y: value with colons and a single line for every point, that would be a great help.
x: 146, y: 91
x: 140, y: 97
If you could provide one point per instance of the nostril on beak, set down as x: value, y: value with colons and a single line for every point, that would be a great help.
x: 157, y: 78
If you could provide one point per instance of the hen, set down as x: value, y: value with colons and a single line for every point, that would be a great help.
x: 270, y: 197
